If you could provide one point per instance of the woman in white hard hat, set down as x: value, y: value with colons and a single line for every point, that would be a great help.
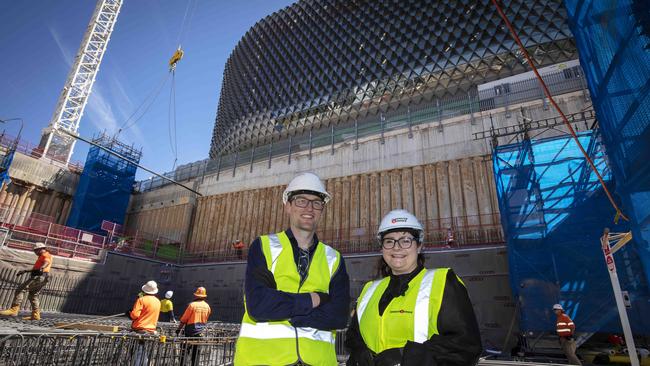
x: 414, y: 315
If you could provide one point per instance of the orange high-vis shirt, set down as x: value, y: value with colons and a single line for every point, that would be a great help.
x: 196, y: 312
x: 46, y: 256
x: 145, y: 313
x: 564, y: 326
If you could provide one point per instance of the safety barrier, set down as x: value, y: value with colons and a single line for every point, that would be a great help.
x: 24, y: 230
x: 124, y: 349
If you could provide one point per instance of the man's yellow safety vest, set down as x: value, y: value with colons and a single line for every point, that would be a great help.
x: 412, y: 317
x: 278, y: 342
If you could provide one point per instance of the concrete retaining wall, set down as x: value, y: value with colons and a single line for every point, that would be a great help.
x: 111, y: 287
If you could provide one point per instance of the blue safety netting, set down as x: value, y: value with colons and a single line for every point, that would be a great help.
x: 613, y: 39
x: 554, y: 211
x: 5, y: 164
x: 104, y: 186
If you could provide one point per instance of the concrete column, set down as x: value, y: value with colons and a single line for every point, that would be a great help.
x: 12, y: 207
x: 3, y: 192
x: 32, y: 204
x: 50, y: 205
x: 7, y: 199
x: 4, y: 206
x: 64, y: 210
x: 56, y: 209
x: 22, y: 214
x: 20, y: 206
x: 66, y: 213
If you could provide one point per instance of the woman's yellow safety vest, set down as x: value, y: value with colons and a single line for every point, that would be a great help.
x: 278, y: 342
x: 411, y: 317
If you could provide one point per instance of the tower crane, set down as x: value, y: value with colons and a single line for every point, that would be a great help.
x: 57, y: 139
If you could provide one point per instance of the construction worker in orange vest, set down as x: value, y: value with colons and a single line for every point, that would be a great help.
x: 565, y: 329
x: 195, y: 320
x: 146, y: 310
x: 39, y: 275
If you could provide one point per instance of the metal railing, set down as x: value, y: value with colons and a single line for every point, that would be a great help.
x: 447, y: 233
x: 36, y: 152
x: 25, y: 230
x: 117, y: 349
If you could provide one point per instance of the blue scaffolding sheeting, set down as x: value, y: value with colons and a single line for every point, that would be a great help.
x: 554, y: 211
x: 104, y: 186
x: 613, y: 39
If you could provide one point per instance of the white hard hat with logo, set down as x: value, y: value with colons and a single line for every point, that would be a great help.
x: 306, y: 183
x: 169, y: 294
x: 150, y: 288
x: 400, y: 219
x: 558, y: 307
x: 39, y: 245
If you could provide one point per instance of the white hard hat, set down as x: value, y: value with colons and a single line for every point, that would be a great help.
x: 39, y: 245
x: 557, y: 307
x: 150, y: 288
x: 400, y: 219
x: 169, y: 294
x: 307, y: 182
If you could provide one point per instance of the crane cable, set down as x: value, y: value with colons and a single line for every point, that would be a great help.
x: 619, y: 212
x: 150, y: 99
x: 171, y: 119
x: 173, y: 61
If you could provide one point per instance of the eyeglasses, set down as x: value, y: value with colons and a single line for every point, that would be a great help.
x: 302, y: 202
x: 404, y: 243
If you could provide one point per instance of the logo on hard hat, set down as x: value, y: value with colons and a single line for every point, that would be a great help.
x: 398, y: 219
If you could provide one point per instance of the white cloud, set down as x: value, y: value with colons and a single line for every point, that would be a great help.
x: 100, y: 110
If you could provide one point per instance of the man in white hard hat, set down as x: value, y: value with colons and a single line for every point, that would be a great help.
x: 297, y: 288
x: 565, y: 329
x: 146, y: 310
x: 38, y: 278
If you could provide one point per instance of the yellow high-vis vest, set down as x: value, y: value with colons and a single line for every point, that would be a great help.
x: 412, y: 317
x: 278, y: 342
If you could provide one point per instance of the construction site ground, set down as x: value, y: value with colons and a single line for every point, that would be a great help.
x: 219, y: 343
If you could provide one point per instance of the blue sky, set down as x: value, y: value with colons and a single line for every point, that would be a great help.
x: 39, y: 40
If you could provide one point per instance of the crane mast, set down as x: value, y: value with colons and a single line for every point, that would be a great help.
x: 56, y: 143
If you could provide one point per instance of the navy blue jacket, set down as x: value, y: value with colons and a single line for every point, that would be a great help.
x: 265, y: 303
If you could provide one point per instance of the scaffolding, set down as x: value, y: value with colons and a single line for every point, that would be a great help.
x: 613, y: 38
x: 105, y: 185
x: 553, y: 210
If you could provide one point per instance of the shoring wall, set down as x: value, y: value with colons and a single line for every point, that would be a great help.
x: 439, y: 173
x: 460, y: 189
x: 111, y: 287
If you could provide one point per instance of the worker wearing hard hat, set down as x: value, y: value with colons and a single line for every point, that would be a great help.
x: 414, y: 315
x: 195, y: 320
x: 167, y: 307
x: 297, y: 288
x: 146, y: 310
x: 565, y: 329
x: 39, y: 275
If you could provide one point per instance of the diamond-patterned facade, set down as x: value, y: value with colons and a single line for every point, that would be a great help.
x: 317, y: 62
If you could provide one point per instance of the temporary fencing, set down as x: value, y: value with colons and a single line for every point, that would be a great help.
x: 123, y: 349
x: 24, y: 230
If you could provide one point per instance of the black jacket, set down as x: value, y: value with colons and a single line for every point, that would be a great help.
x: 457, y: 344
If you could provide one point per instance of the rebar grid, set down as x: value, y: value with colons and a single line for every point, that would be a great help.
x: 124, y: 349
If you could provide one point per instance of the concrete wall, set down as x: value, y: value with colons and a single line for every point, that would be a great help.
x: 83, y: 287
x: 111, y: 287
